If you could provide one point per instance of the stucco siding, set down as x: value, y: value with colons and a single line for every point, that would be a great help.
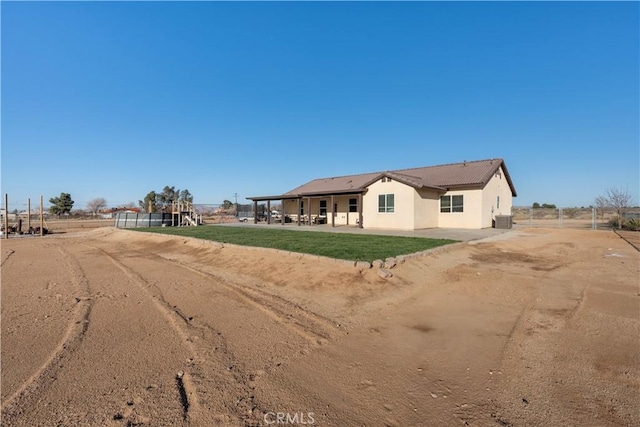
x: 340, y: 216
x: 290, y: 206
x: 470, y: 217
x: 426, y: 208
x: 403, y: 215
x: 496, y: 187
x: 353, y: 218
x: 342, y: 202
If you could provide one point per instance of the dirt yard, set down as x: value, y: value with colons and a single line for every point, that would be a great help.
x: 535, y: 327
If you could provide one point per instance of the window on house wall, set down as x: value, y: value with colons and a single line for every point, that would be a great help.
x: 386, y: 203
x: 323, y: 207
x: 302, y: 207
x: 353, y: 205
x: 386, y: 179
x: 457, y: 204
x: 452, y: 203
x: 498, y: 203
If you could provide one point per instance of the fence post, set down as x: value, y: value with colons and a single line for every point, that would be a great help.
x: 6, y: 215
x: 530, y: 217
x: 41, y: 217
x: 560, y: 216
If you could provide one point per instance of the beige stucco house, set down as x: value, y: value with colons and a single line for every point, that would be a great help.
x: 459, y: 195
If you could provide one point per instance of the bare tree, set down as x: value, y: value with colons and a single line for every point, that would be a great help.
x: 620, y: 200
x: 601, y: 204
x: 94, y: 205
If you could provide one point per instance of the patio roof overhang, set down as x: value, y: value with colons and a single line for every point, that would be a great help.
x: 314, y: 194
x: 261, y: 198
x: 309, y: 217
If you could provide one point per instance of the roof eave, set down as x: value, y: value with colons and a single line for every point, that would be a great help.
x: 506, y: 174
x: 308, y: 194
x: 330, y: 192
x: 261, y: 198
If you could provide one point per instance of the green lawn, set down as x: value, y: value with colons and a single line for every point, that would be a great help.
x: 358, y: 247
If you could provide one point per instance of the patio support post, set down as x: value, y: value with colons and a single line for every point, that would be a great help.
x: 282, y: 221
x: 309, y: 210
x: 333, y: 214
x: 268, y: 211
x: 299, y: 209
x: 360, y: 210
x: 255, y: 211
x: 348, y: 211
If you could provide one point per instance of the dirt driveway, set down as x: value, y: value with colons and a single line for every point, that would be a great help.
x: 117, y: 328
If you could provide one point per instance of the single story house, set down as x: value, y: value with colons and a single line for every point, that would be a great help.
x: 459, y: 195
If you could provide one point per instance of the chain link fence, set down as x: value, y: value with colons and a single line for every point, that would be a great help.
x: 579, y: 218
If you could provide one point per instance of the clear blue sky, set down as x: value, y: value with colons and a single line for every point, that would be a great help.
x: 114, y: 99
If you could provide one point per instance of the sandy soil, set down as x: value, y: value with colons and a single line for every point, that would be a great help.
x: 116, y: 328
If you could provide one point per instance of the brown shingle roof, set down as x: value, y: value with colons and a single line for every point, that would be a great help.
x: 339, y: 184
x: 475, y: 173
x: 442, y: 177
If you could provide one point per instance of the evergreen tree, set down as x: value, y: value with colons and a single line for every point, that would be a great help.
x: 61, y: 205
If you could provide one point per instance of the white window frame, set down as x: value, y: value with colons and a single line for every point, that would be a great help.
x: 451, y: 208
x: 383, y: 203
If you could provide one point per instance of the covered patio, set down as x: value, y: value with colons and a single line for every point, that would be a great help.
x: 334, y: 208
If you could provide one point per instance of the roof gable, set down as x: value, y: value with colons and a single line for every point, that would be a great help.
x: 410, y: 180
x: 465, y: 174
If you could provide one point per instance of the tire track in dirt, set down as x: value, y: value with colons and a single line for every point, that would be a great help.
x: 70, y: 342
x: 163, y: 306
x: 204, y: 367
x: 169, y: 314
x: 311, y: 326
x: 540, y: 270
x: 317, y: 329
x: 210, y: 346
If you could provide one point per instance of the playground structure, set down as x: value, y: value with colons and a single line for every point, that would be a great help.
x: 183, y: 214
x: 15, y: 227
